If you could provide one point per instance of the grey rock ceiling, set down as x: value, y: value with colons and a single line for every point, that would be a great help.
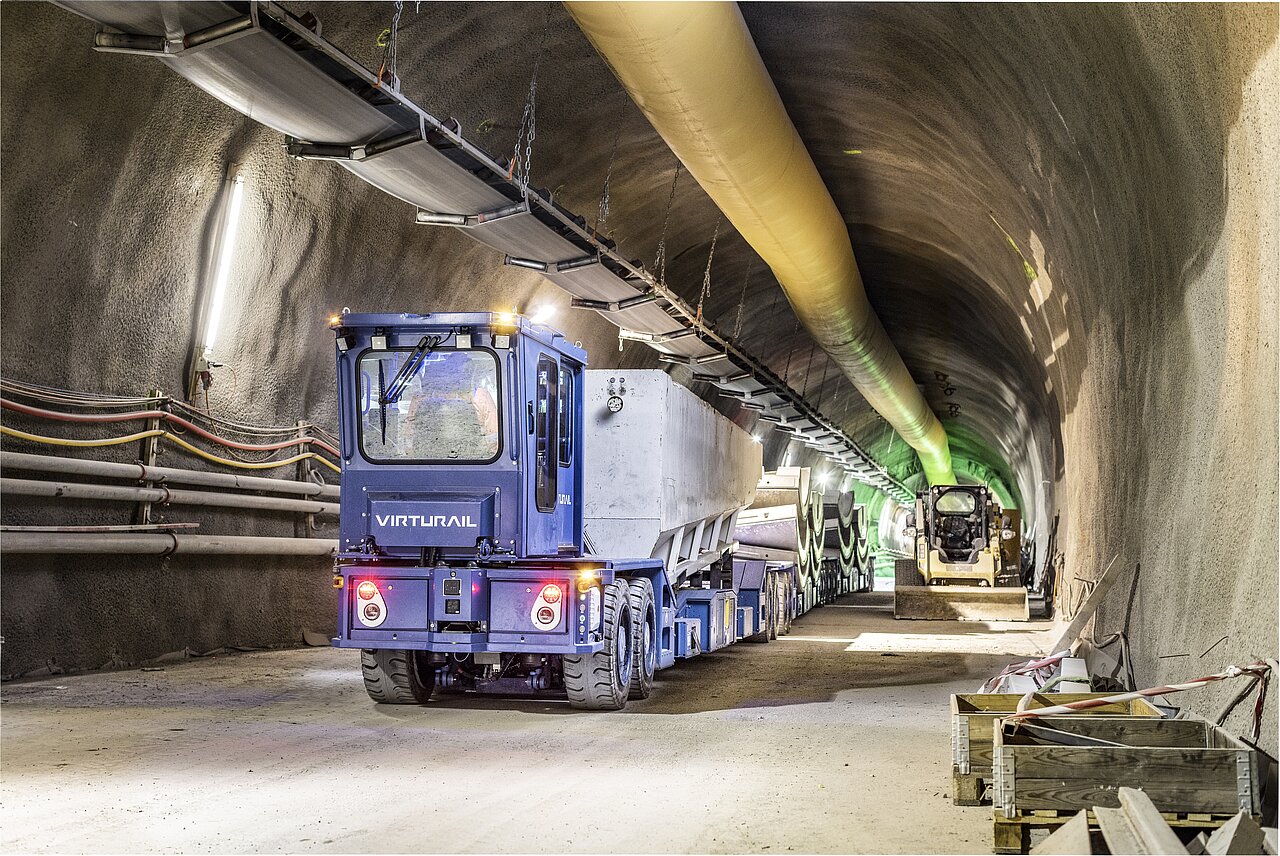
x: 1009, y: 174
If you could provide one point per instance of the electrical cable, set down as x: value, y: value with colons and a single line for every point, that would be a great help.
x: 167, y: 417
x: 165, y: 435
x: 106, y: 402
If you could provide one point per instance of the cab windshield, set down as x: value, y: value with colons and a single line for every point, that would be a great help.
x: 447, y: 410
x: 956, y: 502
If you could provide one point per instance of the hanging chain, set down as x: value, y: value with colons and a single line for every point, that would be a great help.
x: 742, y: 299
x: 602, y: 214
x: 826, y: 361
x: 522, y: 161
x: 388, y: 40
x: 808, y: 369
x: 786, y: 372
x: 660, y: 260
x: 706, y: 275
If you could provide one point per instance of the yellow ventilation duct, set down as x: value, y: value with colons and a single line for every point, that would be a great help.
x: 694, y: 71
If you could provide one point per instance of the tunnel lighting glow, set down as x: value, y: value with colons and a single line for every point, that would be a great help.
x: 226, y: 255
x: 542, y: 314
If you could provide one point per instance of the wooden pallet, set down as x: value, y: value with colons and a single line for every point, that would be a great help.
x: 973, y: 717
x: 1194, y: 773
x: 1013, y: 834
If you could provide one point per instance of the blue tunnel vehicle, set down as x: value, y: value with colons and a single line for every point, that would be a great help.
x: 514, y: 523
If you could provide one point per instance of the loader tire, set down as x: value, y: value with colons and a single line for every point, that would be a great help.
x: 394, y: 676
x: 602, y: 681
x: 906, y: 572
x: 644, y: 637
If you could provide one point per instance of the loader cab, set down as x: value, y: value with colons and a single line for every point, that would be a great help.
x: 460, y: 437
x: 958, y: 522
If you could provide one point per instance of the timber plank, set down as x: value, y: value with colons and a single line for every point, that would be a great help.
x: 1074, y: 794
x: 1120, y: 765
x: 1072, y: 837
x: 1155, y: 834
x: 1180, y: 733
x: 1119, y: 834
x: 1008, y: 703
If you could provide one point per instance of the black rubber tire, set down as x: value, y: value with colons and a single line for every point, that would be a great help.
x: 775, y: 606
x: 595, y: 681
x: 394, y: 676
x: 643, y: 662
x: 906, y: 572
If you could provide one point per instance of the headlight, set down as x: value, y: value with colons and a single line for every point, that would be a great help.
x: 593, y: 609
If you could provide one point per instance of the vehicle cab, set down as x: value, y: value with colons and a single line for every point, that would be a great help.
x: 959, y: 535
x: 432, y: 468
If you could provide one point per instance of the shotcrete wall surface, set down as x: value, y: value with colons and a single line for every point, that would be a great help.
x: 1065, y: 215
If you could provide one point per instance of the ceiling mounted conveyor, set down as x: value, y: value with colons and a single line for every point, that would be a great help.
x: 268, y: 64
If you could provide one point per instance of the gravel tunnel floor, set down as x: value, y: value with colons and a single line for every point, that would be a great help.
x: 833, y: 739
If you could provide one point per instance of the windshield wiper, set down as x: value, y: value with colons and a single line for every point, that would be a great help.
x: 417, y: 357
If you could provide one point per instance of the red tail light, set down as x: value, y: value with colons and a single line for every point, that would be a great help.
x: 551, y: 593
x: 366, y: 590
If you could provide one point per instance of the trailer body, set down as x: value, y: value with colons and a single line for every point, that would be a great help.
x: 510, y: 518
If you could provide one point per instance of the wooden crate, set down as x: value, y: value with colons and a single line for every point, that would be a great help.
x: 973, y: 716
x: 1193, y: 772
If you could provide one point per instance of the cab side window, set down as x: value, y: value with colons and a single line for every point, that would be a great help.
x: 566, y: 416
x: 546, y: 422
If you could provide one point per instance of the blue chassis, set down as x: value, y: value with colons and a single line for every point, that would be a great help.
x: 699, y: 610
x: 480, y: 606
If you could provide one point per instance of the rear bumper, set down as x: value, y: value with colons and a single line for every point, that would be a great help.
x: 466, y: 610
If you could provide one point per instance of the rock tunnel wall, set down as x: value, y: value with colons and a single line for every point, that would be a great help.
x: 112, y: 170
x: 1065, y: 215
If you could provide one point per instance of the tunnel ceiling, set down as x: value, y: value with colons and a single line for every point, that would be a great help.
x: 1010, y: 175
x: 982, y: 156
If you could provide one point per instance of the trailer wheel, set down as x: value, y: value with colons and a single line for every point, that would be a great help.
x: 601, y: 681
x: 395, y: 676
x: 906, y: 572
x: 775, y: 606
x: 786, y: 604
x: 644, y: 637
x: 772, y: 605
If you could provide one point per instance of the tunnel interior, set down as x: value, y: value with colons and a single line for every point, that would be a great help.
x: 1065, y: 217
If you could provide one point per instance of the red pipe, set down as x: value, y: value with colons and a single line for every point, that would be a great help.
x: 167, y: 417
